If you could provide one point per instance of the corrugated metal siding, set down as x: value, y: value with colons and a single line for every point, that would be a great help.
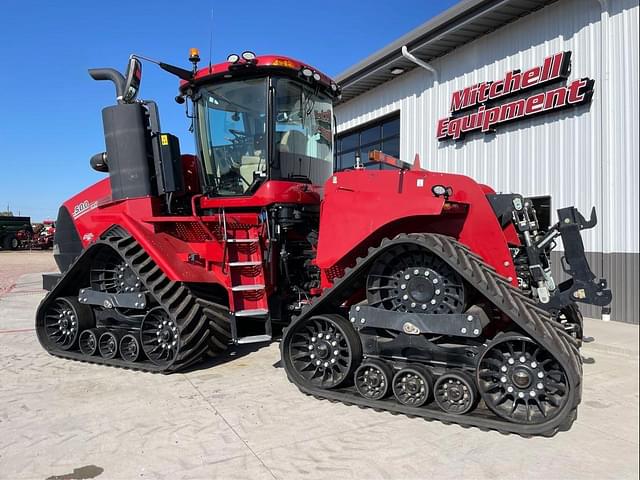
x: 621, y: 270
x: 620, y: 159
x: 584, y: 156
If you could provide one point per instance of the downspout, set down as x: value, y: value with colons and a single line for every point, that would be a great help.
x: 436, y: 76
x: 605, y: 175
x: 420, y: 63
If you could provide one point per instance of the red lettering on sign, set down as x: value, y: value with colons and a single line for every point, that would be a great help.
x: 486, y: 117
x: 534, y: 104
x: 555, y: 98
x: 441, y: 130
x: 460, y: 99
x: 512, y: 110
x: 494, y: 92
x: 574, y: 91
x: 531, y: 77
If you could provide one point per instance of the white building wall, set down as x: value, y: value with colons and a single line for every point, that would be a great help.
x: 582, y: 156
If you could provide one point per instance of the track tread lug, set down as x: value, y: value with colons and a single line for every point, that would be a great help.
x: 196, y: 328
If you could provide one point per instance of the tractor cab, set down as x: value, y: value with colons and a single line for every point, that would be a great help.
x: 258, y: 119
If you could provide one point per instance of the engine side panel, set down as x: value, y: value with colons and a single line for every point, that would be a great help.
x: 93, y: 212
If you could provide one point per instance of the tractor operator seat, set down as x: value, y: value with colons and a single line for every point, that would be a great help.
x: 293, y: 141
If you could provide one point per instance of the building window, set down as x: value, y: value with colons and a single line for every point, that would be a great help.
x: 382, y: 134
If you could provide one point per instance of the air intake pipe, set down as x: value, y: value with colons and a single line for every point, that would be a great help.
x: 99, y: 162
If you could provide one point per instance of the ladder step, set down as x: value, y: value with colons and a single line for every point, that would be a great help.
x: 242, y: 240
x: 257, y: 312
x: 247, y: 288
x: 245, y: 264
x: 254, y: 339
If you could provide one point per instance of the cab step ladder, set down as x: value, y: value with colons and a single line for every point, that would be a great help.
x: 244, y: 263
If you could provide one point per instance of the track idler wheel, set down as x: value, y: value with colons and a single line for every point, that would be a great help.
x: 520, y: 381
x: 322, y: 351
x: 413, y: 385
x: 160, y: 337
x: 130, y: 348
x: 455, y: 392
x: 88, y: 341
x: 64, y: 319
x: 373, y: 379
x: 108, y: 344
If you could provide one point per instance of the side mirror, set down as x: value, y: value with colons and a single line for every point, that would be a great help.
x: 133, y: 77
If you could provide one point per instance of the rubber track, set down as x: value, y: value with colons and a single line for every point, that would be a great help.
x: 204, y: 326
x: 522, y: 310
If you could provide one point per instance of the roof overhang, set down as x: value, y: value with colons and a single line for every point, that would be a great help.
x: 461, y: 24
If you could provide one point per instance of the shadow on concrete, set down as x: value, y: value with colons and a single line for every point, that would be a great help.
x: 234, y: 352
x: 81, y: 473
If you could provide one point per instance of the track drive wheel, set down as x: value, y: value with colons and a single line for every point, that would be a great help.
x: 373, y: 379
x: 455, y: 392
x: 411, y: 279
x: 520, y: 381
x: 322, y: 351
x: 413, y: 385
x: 110, y: 273
x: 64, y: 319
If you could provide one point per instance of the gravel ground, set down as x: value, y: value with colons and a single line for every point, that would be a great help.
x: 15, y: 264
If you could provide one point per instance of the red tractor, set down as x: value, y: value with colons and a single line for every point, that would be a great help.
x: 400, y: 289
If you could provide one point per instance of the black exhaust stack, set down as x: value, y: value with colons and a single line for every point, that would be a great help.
x: 126, y: 138
x: 141, y: 160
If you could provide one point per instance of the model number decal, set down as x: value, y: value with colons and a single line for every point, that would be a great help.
x: 83, y: 207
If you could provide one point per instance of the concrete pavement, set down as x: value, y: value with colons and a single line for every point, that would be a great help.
x: 241, y: 418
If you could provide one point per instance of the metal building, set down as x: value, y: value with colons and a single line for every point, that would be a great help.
x: 580, y: 146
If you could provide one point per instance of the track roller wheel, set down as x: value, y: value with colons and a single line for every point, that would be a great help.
x: 413, y: 385
x: 455, y: 392
x: 108, y: 344
x: 322, y: 351
x: 373, y: 379
x: 63, y: 319
x: 520, y: 381
x: 160, y: 337
x: 88, y: 341
x: 130, y: 348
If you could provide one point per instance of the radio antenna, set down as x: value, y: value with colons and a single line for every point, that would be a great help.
x: 210, y: 40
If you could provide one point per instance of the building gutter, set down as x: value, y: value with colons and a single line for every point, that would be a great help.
x: 451, y: 20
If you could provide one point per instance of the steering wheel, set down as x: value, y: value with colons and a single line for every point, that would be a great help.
x: 238, y: 135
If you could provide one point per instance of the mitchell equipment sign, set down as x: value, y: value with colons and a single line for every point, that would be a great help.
x: 482, y: 96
